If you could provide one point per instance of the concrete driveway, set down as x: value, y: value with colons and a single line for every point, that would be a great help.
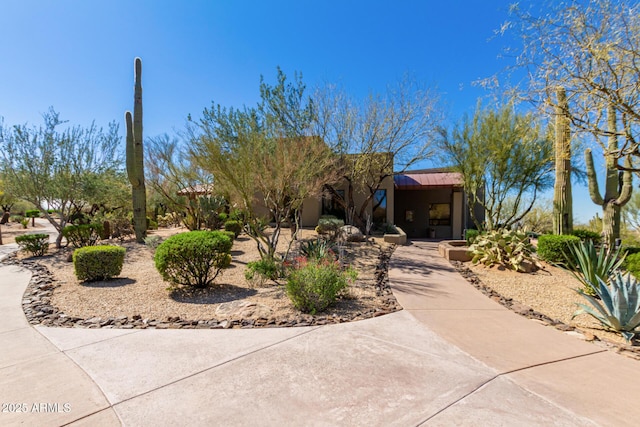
x: 451, y: 357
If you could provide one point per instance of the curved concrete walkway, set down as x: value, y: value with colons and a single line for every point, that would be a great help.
x: 452, y: 357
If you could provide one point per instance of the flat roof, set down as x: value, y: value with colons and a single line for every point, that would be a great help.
x: 424, y: 180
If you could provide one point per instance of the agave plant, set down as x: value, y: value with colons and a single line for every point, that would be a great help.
x: 618, y: 306
x: 588, y: 265
x: 318, y: 249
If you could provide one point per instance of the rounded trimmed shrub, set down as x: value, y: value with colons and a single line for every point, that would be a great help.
x: 553, y: 247
x: 194, y: 258
x: 102, y: 262
x: 233, y: 226
x: 35, y: 244
x: 315, y: 286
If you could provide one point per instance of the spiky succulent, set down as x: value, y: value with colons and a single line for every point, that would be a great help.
x: 618, y: 306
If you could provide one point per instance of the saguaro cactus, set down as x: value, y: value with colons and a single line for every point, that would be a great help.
x: 617, y: 191
x: 135, y: 158
x: 562, y: 198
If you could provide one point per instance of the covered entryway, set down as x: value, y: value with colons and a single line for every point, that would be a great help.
x: 430, y: 204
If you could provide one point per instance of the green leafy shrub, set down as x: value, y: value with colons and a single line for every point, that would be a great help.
x: 506, y: 247
x: 24, y: 222
x: 553, y: 247
x: 233, y: 226
x: 194, y: 258
x: 238, y: 215
x: 470, y: 236
x: 630, y: 250
x: 616, y: 305
x: 585, y: 234
x: 260, y: 271
x: 33, y: 214
x: 632, y: 264
x: 315, y: 285
x: 329, y: 226
x: 82, y: 235
x: 588, y: 264
x: 318, y: 249
x: 16, y: 218
x: 35, y: 244
x: 223, y: 217
x: 102, y: 262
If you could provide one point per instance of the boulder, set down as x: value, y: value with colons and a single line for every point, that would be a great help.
x: 351, y: 233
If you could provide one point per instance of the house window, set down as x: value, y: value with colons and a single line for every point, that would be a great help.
x: 440, y: 214
x: 380, y: 207
x: 330, y: 205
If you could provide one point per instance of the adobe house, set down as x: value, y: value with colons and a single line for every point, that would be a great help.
x: 427, y: 203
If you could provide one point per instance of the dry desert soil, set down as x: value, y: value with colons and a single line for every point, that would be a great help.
x: 141, y: 293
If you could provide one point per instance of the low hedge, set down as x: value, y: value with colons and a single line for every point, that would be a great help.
x: 585, y: 234
x: 194, y: 258
x: 553, y: 247
x: 102, y: 262
x: 35, y: 244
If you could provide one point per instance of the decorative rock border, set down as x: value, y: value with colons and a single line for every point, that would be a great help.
x: 528, y: 312
x: 36, y: 304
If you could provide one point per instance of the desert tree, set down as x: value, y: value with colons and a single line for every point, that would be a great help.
x: 506, y: 160
x: 183, y: 186
x: 57, y: 169
x: 592, y: 50
x: 265, y: 157
x: 376, y: 137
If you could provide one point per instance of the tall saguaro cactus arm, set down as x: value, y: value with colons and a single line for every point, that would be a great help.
x: 135, y: 158
x: 616, y: 193
x: 594, y: 190
x: 627, y: 184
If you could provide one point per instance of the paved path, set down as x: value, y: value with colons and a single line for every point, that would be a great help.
x: 452, y: 357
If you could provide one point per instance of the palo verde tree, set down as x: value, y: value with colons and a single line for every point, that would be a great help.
x: 57, y: 169
x: 173, y: 172
x: 505, y: 159
x: 375, y: 137
x: 265, y: 157
x: 592, y: 50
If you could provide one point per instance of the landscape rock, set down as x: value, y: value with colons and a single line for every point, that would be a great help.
x: 351, y: 233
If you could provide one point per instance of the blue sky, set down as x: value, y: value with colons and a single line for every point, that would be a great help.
x: 77, y: 56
